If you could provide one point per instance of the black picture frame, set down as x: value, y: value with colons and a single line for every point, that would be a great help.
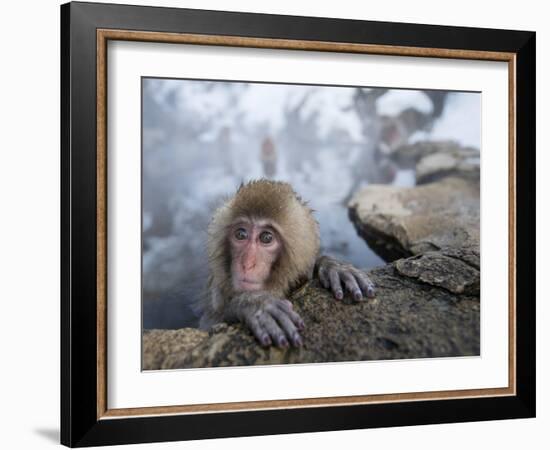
x: 80, y: 424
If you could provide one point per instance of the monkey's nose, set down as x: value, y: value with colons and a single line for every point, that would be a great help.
x: 249, y: 262
x: 247, y: 267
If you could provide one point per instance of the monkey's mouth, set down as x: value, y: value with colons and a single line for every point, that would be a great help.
x: 250, y: 285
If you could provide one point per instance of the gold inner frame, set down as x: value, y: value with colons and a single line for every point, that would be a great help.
x: 104, y: 35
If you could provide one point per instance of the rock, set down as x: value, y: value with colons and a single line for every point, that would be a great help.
x: 161, y: 346
x: 437, y: 269
x: 434, y: 161
x: 440, y: 165
x: 420, y: 311
x: 400, y: 222
x: 412, y: 153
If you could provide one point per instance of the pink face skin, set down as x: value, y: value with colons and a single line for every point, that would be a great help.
x: 255, y: 246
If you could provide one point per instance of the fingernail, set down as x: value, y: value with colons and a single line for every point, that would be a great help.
x: 283, y: 342
x: 339, y: 295
x: 266, y: 341
x: 358, y: 296
x: 370, y: 292
x: 297, y: 341
x: 302, y: 325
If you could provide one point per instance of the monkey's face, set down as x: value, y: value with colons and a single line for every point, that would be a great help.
x: 255, y: 246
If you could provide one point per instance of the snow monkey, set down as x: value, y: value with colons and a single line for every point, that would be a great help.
x: 262, y: 243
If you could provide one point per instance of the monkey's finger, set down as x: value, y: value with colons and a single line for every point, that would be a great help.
x: 352, y: 286
x: 335, y: 284
x: 366, y: 284
x: 258, y: 331
x: 323, y: 278
x: 287, y: 303
x: 287, y: 325
x: 286, y: 306
x: 277, y: 335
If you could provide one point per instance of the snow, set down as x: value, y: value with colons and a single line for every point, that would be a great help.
x: 461, y: 120
x: 396, y: 100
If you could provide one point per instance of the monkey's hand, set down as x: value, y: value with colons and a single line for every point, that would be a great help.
x: 272, y: 320
x: 333, y: 273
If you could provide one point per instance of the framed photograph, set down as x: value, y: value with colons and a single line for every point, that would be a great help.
x: 279, y: 224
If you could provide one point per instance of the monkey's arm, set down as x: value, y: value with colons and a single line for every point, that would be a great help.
x: 333, y: 273
x: 270, y: 318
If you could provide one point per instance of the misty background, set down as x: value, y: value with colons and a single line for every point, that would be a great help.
x: 201, y: 139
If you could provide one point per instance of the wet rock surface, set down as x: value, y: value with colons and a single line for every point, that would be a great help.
x: 409, y: 318
x: 438, y: 269
x: 161, y: 347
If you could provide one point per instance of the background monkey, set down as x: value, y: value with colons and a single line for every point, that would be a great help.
x: 262, y: 243
x: 268, y: 157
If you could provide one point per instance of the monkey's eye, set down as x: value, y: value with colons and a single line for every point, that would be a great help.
x: 241, y: 234
x: 266, y: 237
